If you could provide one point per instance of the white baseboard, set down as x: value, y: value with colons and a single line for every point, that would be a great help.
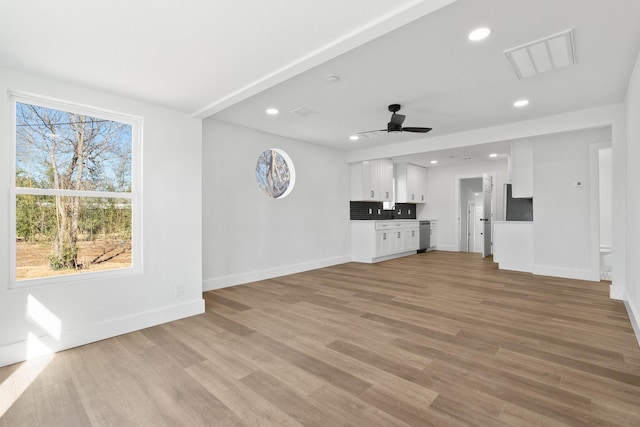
x: 514, y: 267
x: 567, y: 273
x: 617, y: 292
x: 634, y: 317
x: 446, y: 248
x: 254, y: 276
x: 385, y: 258
x: 34, y: 346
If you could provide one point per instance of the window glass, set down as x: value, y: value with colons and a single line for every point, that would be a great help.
x: 74, y: 191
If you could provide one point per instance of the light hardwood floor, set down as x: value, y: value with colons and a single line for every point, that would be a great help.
x: 432, y: 339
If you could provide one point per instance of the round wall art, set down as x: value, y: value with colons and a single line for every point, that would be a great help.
x: 275, y: 173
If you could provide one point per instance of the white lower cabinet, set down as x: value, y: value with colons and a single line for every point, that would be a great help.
x: 373, y: 241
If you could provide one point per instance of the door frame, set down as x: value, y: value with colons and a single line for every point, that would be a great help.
x: 458, y: 212
x: 594, y: 207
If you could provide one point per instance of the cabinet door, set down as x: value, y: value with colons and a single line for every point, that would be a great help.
x: 413, y: 237
x: 421, y: 185
x: 385, y: 179
x: 370, y: 180
x: 397, y: 241
x: 433, y: 240
x: 416, y: 184
x: 408, y: 239
x: 385, y: 242
x: 412, y: 183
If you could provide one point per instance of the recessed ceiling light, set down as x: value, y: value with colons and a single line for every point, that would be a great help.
x: 433, y: 162
x: 333, y: 79
x: 521, y: 103
x: 354, y: 137
x: 272, y: 111
x: 493, y: 155
x: 479, y: 34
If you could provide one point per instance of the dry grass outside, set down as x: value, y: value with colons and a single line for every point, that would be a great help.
x: 32, y: 259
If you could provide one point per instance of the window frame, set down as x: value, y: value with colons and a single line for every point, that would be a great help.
x: 135, y: 196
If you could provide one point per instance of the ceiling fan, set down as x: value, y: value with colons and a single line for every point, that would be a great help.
x: 395, y: 125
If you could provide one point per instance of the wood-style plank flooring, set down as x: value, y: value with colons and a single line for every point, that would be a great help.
x: 432, y: 339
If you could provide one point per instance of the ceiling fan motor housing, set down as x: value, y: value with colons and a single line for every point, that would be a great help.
x: 394, y: 127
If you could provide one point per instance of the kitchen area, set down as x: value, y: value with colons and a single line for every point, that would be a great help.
x: 385, y: 200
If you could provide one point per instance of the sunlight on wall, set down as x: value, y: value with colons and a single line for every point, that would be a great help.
x: 13, y: 387
x: 44, y: 317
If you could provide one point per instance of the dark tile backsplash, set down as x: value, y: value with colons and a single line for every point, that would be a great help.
x: 374, y: 210
x: 367, y: 210
x: 404, y: 211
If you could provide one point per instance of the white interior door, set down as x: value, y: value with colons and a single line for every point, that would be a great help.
x: 479, y: 221
x: 471, y: 230
x: 487, y: 189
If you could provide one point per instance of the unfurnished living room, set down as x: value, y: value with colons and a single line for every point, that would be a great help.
x: 281, y: 213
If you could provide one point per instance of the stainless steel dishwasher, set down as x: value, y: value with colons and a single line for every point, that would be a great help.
x: 425, y: 236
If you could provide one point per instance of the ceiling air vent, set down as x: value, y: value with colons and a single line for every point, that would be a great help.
x: 304, y: 112
x: 540, y: 56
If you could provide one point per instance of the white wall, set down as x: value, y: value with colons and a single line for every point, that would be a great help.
x: 94, y: 309
x: 443, y: 196
x: 248, y: 236
x: 632, y: 285
x: 562, y: 213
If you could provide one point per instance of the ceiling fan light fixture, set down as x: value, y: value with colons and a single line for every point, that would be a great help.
x: 479, y: 34
x: 395, y: 124
x: 521, y: 103
x: 272, y: 111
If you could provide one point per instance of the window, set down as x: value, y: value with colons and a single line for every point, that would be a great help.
x: 76, y: 191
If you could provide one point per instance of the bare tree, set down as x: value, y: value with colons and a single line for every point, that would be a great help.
x: 68, y: 151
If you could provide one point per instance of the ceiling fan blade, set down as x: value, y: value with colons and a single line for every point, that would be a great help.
x: 397, y: 119
x: 417, y: 130
x: 371, y: 131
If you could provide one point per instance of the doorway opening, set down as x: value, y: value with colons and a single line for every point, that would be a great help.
x: 605, y: 198
x: 471, y: 215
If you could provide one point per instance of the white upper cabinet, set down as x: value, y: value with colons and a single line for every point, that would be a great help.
x: 521, y: 169
x: 372, y: 180
x: 411, y: 183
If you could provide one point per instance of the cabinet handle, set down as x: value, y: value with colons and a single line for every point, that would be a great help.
x: 412, y: 233
x: 413, y: 196
x: 384, y: 236
x: 423, y: 197
x: 372, y: 194
x: 398, y: 234
x: 387, y: 196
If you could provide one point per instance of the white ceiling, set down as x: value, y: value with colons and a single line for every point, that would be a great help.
x: 195, y: 56
x: 231, y: 60
x: 451, y: 84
